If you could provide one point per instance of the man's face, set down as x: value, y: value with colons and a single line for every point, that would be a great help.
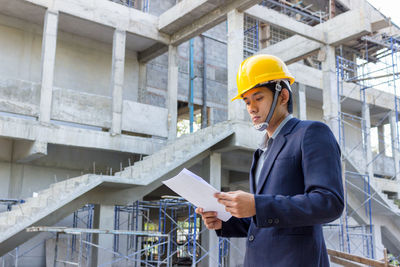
x: 258, y: 102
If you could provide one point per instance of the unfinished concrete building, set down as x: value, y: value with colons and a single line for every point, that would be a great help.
x: 100, y: 101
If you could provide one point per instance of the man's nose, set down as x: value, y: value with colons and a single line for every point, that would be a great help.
x: 252, y: 108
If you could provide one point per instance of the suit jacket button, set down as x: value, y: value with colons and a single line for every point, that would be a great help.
x: 276, y: 221
x: 251, y: 238
x: 270, y: 221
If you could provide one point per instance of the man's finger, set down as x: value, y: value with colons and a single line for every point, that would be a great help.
x: 209, y: 214
x: 211, y: 221
x: 214, y: 225
x: 226, y: 203
x: 224, y: 196
x: 199, y: 210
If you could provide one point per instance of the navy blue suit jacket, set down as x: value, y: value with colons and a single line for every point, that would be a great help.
x: 300, y: 188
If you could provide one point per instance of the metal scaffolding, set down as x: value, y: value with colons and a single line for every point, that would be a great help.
x: 376, y: 69
x: 251, y: 36
x: 9, y: 202
x: 80, y: 218
x: 117, y: 257
x: 297, y: 10
x: 176, y: 218
x: 158, y: 216
x: 147, y: 233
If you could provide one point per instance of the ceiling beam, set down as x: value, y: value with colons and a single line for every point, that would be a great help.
x: 183, y: 13
x: 210, y: 20
x: 280, y: 20
x: 110, y: 14
x: 152, y: 52
x: 340, y: 29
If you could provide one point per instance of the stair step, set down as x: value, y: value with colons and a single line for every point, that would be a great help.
x: 12, y: 220
x: 177, y: 150
x: 174, y: 150
x: 38, y: 202
x: 3, y: 220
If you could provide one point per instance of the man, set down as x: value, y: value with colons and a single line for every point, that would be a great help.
x: 295, y: 178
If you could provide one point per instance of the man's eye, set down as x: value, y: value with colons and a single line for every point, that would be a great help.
x: 260, y: 98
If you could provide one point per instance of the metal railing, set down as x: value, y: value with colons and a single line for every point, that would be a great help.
x: 115, y: 257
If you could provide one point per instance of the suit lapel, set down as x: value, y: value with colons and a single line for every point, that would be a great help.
x: 276, y: 148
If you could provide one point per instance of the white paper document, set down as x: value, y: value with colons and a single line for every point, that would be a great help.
x: 198, y: 192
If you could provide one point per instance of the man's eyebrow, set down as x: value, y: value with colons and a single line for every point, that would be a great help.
x: 255, y: 94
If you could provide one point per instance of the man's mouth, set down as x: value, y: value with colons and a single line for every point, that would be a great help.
x: 255, y: 118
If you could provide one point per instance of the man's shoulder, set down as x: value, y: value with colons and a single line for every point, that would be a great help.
x: 314, y: 124
x: 311, y: 127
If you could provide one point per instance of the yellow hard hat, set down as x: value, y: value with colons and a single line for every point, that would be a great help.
x: 259, y: 69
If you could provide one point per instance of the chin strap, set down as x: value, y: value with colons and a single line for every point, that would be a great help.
x: 263, y: 126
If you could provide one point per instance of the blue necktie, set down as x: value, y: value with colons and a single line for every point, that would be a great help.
x: 261, y: 160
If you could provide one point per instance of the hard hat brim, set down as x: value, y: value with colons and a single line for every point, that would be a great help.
x: 239, y: 96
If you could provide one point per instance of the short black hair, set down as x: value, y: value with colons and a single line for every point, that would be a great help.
x: 285, y: 85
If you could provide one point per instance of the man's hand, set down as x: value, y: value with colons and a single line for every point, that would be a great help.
x: 210, y: 219
x: 239, y: 203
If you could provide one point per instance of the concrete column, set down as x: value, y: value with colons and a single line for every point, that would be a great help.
x: 117, y: 79
x: 17, y: 172
x: 395, y: 142
x: 265, y: 35
x: 381, y: 139
x: 224, y: 178
x: 367, y: 141
x: 138, y: 240
x: 331, y: 105
x: 378, y: 244
x: 49, y: 44
x: 301, y: 101
x: 236, y: 109
x: 142, y: 82
x: 172, y: 103
x: 237, y: 251
x: 103, y: 219
x: 212, y: 173
x: 215, y: 170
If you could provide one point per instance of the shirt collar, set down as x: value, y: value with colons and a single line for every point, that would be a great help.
x: 288, y: 117
x: 263, y: 144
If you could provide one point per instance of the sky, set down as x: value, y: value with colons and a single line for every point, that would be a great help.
x: 389, y: 8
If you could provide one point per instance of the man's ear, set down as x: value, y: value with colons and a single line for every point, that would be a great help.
x: 284, y: 96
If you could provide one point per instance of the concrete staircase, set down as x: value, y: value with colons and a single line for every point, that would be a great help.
x: 176, y: 152
x: 379, y: 196
x: 384, y: 211
x: 40, y: 209
x: 62, y: 198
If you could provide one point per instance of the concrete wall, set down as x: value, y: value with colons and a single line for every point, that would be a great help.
x: 84, y: 65
x: 25, y: 179
x: 21, y: 180
x: 82, y: 91
x: 384, y: 165
x: 157, y: 7
x: 20, y: 49
x: 156, y: 90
